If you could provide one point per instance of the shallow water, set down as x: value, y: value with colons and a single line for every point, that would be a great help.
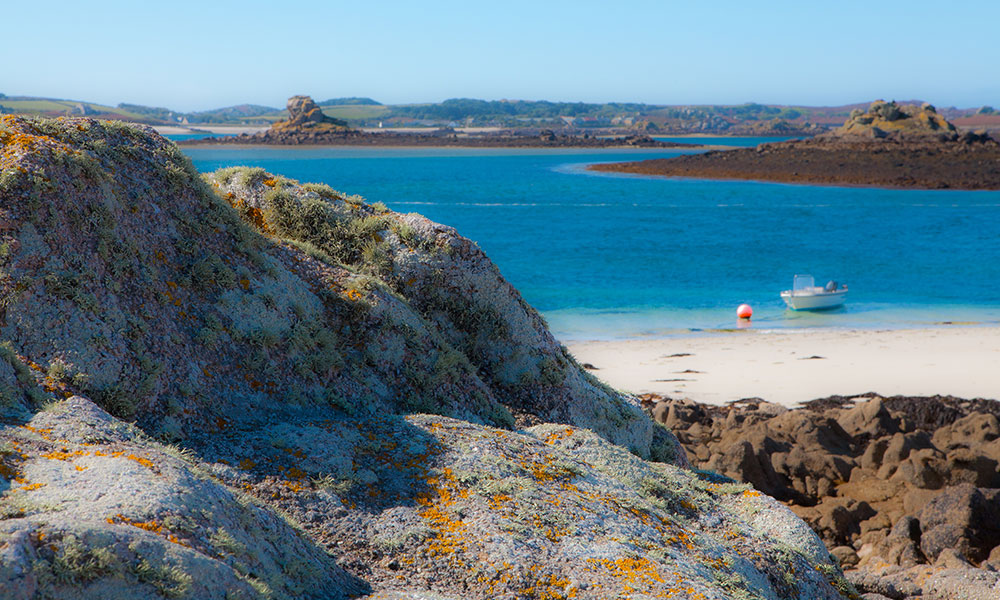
x: 613, y: 256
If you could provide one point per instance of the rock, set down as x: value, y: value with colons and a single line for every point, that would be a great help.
x: 405, y: 426
x: 964, y: 465
x: 888, y: 119
x: 845, y: 555
x: 303, y: 111
x: 971, y: 430
x: 923, y: 468
x: 873, y: 582
x: 949, y: 558
x: 867, y: 420
x: 961, y: 518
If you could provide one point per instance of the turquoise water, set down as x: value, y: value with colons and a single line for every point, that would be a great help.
x: 607, y: 256
x: 178, y: 137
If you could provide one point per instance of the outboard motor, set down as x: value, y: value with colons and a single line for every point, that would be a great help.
x: 831, y: 286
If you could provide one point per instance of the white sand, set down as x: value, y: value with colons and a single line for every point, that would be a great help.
x: 778, y: 365
x: 230, y: 129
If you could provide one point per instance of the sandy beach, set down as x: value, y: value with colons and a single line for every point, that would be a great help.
x: 200, y: 128
x: 791, y: 366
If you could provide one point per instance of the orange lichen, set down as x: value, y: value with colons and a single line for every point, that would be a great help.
x: 555, y: 436
x: 142, y: 461
x: 64, y: 454
x: 32, y: 486
x: 150, y: 526
x: 353, y: 295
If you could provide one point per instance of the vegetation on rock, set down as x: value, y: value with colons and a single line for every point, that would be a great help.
x: 360, y: 404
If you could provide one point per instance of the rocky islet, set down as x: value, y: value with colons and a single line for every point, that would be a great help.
x: 888, y: 145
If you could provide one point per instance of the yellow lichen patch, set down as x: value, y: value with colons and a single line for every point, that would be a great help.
x: 246, y: 464
x: 498, y: 501
x: 142, y: 461
x: 637, y: 574
x: 270, y: 182
x: 150, y: 526
x: 449, y: 532
x: 31, y: 486
x: 352, y: 295
x: 549, y: 587
x: 555, y: 436
x: 64, y: 454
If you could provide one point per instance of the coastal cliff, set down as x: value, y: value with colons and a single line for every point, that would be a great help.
x: 239, y: 386
x: 887, y: 146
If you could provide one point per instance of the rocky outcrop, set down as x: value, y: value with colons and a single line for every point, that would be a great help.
x: 904, y: 490
x: 888, y: 119
x: 358, y: 403
x: 304, y: 113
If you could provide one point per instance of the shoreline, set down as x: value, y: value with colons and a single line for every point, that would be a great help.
x: 789, y: 367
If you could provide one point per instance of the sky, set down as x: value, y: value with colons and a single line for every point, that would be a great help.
x: 202, y: 54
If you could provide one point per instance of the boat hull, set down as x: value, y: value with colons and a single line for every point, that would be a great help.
x: 814, y: 301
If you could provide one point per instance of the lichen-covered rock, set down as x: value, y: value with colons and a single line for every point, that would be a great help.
x: 292, y: 341
x: 447, y: 284
x: 92, y: 508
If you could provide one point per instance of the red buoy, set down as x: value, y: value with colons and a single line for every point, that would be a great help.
x: 744, y: 311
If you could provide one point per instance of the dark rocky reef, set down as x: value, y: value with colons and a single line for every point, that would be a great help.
x: 905, y: 492
x: 888, y: 146
x: 239, y: 386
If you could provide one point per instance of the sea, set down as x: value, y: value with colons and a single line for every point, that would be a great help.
x: 606, y: 256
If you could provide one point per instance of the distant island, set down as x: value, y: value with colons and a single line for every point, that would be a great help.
x: 889, y: 145
x: 307, y: 124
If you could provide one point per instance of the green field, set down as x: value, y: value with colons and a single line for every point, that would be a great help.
x: 46, y: 106
x: 355, y: 112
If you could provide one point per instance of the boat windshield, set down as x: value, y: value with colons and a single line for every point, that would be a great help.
x: 802, y: 282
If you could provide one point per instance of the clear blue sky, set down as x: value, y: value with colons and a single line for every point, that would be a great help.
x: 192, y: 55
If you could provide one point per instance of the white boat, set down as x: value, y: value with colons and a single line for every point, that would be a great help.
x: 806, y: 295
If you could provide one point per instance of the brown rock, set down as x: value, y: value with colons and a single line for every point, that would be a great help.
x: 963, y: 518
x: 845, y: 555
x: 967, y: 466
x: 949, y: 558
x: 923, y: 468
x: 868, y: 419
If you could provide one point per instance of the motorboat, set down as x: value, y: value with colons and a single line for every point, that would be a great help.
x: 806, y: 295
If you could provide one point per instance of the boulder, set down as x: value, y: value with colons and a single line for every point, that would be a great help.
x: 963, y: 518
x: 867, y: 420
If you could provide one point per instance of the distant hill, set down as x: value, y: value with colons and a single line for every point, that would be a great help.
x: 352, y: 101
x: 230, y: 113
